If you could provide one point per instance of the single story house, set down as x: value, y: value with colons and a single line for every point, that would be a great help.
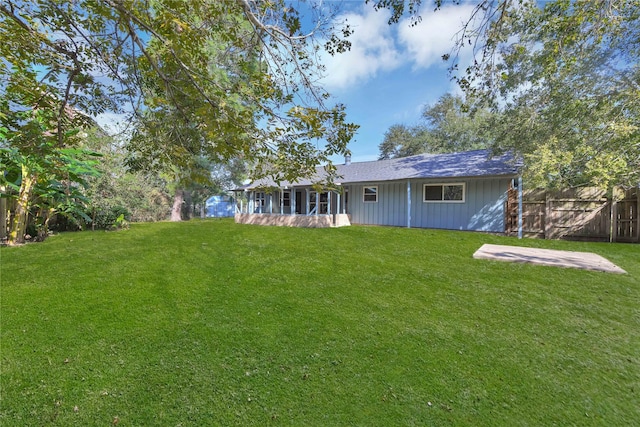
x: 458, y: 191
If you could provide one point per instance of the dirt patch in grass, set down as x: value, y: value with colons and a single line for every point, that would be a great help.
x: 550, y: 257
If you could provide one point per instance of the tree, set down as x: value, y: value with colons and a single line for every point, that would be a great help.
x: 447, y: 126
x: 402, y: 141
x: 564, y: 77
x: 453, y: 126
x: 47, y: 171
x: 103, y: 56
x: 117, y: 191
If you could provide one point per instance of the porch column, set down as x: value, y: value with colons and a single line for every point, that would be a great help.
x: 292, y: 202
x: 250, y: 203
x: 408, y: 204
x: 338, y: 203
x: 281, y: 201
x: 329, y: 202
x: 306, y: 196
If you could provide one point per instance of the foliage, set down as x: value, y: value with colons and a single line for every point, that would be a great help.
x: 271, y: 113
x: 45, y: 176
x: 234, y: 78
x: 137, y: 195
x: 564, y: 76
x: 402, y: 141
x: 243, y: 325
x: 581, y: 106
x: 448, y: 126
x: 231, y: 79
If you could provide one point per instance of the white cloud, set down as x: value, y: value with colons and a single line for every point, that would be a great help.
x: 426, y: 42
x: 377, y: 47
x: 373, y: 50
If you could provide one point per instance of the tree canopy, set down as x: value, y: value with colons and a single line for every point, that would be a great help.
x: 447, y: 126
x: 563, y: 76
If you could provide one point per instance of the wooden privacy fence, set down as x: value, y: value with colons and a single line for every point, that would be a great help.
x: 576, y: 214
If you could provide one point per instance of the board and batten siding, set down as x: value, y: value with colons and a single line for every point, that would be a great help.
x: 390, y: 209
x: 482, y: 210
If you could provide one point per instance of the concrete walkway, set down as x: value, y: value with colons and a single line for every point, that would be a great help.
x: 583, y: 260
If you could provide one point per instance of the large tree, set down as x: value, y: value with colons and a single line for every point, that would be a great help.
x: 565, y: 77
x: 447, y: 126
x: 101, y: 56
x: 403, y: 140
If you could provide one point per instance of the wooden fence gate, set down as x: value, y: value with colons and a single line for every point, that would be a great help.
x: 626, y: 217
x: 575, y: 214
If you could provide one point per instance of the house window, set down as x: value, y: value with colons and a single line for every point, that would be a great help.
x: 286, y: 198
x: 319, y: 200
x: 260, y: 199
x: 452, y: 193
x: 370, y: 194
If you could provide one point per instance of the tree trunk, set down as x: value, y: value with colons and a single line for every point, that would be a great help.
x: 19, y: 224
x: 45, y: 215
x: 176, y: 210
x: 187, y: 206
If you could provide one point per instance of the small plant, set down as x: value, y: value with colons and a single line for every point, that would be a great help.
x: 121, y: 222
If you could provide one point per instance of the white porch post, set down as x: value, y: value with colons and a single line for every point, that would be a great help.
x: 338, y: 203
x: 408, y: 204
x: 281, y: 201
x: 270, y: 202
x: 329, y: 202
x: 306, y: 196
x: 293, y: 201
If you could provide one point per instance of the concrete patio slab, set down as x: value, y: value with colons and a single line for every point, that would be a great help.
x: 550, y: 257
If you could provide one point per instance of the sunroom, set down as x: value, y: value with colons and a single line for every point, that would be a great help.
x: 302, y: 206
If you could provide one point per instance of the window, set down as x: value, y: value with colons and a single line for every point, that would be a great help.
x: 452, y: 193
x: 321, y: 200
x: 260, y: 199
x: 286, y: 198
x: 370, y: 194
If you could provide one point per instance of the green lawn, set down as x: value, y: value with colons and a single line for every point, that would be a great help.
x: 213, y: 323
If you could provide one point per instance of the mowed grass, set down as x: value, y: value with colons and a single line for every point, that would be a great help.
x: 213, y: 323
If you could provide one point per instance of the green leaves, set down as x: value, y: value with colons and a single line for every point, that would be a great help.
x: 563, y: 75
x: 449, y: 126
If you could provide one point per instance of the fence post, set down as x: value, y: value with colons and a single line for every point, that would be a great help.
x: 637, y: 192
x: 547, y: 215
x: 520, y: 207
x: 614, y: 217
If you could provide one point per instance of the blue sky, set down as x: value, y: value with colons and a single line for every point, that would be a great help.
x: 391, y: 72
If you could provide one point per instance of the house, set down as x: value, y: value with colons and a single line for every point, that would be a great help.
x: 458, y: 191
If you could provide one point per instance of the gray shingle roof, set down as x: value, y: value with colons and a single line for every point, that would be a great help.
x: 466, y: 164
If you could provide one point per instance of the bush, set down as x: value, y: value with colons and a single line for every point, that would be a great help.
x: 109, y: 218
